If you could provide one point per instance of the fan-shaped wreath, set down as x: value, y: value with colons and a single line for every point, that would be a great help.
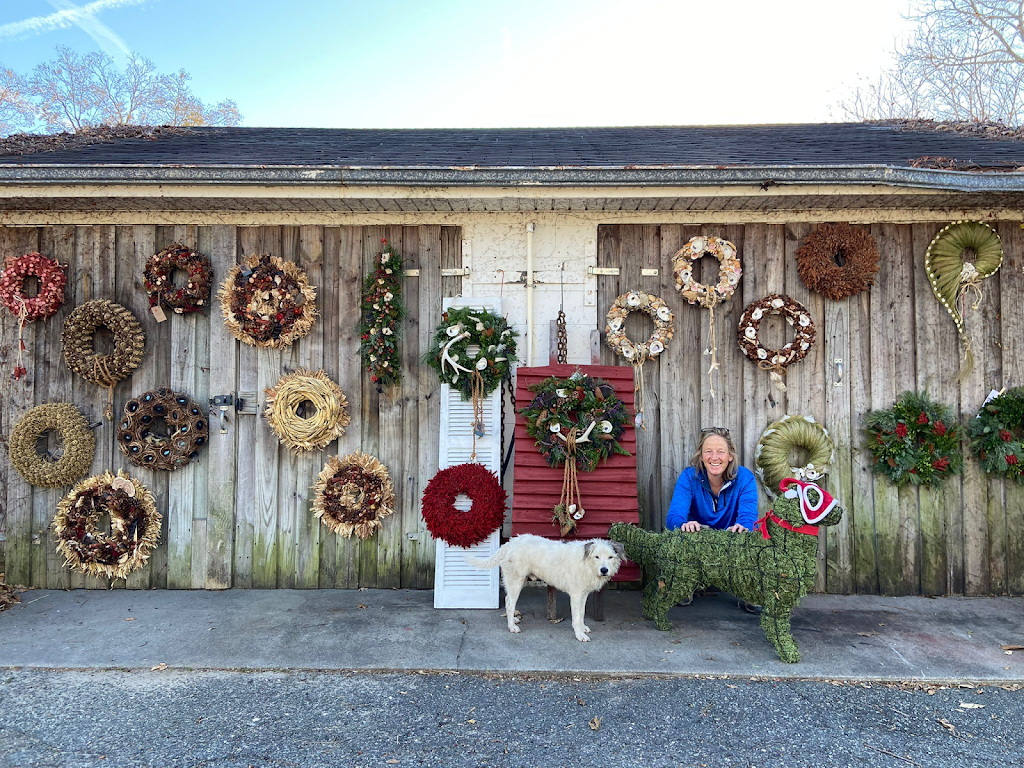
x: 148, y: 447
x: 837, y: 261
x: 353, y: 494
x: 194, y: 296
x: 267, y: 301
x: 78, y: 450
x: 774, y: 455
x: 294, y: 424
x: 451, y: 525
x: 997, y: 435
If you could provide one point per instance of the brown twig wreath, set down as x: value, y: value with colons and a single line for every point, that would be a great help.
x: 42, y: 470
x: 267, y: 301
x: 775, y: 361
x: 353, y: 495
x: 103, y: 370
x: 194, y: 296
x: 634, y: 353
x: 452, y: 525
x: 151, y: 449
x: 837, y: 261
x: 134, y: 526
x: 52, y: 279
x: 286, y: 410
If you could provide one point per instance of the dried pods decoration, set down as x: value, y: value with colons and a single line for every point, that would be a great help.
x: 383, y: 311
x: 47, y: 471
x: 267, y: 301
x: 775, y: 361
x: 143, y: 439
x: 837, y: 261
x: 52, y: 278
x: 353, y: 495
x: 157, y: 279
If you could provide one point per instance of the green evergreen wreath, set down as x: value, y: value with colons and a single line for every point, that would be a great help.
x: 997, y: 435
x: 382, y: 312
x: 916, y: 441
x: 588, y: 404
x: 470, y: 340
x: 774, y: 456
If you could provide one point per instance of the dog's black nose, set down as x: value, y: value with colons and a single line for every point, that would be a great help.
x: 604, y: 569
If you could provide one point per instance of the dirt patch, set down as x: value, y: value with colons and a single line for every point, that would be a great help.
x: 32, y: 143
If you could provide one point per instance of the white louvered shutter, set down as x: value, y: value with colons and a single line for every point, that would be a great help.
x: 456, y: 583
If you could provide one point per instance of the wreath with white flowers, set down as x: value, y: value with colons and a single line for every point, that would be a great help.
x: 382, y: 311
x: 470, y: 343
x: 775, y: 361
x: 637, y: 354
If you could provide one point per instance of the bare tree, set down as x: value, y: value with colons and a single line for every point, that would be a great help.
x: 964, y: 62
x: 16, y: 111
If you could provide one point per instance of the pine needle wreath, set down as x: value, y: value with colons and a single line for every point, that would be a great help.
x: 287, y: 415
x: 134, y: 526
x: 79, y: 445
x: 837, y: 261
x: 917, y: 441
x: 470, y: 341
x: 451, y: 525
x: 267, y: 301
x: 383, y: 311
x: 194, y: 296
x: 774, y: 455
x: 353, y: 495
x: 997, y: 435
x: 187, y: 427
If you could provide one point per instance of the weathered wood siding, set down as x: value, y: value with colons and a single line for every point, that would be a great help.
x: 967, y: 538
x: 240, y: 516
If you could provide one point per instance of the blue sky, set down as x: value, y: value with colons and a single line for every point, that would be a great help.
x: 330, y: 63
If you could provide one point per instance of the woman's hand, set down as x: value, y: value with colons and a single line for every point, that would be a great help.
x: 690, y: 527
x: 737, y: 528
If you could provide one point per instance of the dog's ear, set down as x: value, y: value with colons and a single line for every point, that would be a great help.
x: 587, y: 549
x: 619, y: 549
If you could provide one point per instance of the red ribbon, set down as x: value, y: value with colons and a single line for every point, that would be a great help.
x: 762, y: 525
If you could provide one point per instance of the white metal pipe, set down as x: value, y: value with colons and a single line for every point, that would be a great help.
x: 529, y: 293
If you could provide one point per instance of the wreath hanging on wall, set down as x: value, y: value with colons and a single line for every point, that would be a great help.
x: 78, y: 449
x: 188, y: 430
x: 103, y: 370
x: 775, y: 361
x: 997, y: 435
x: 709, y: 297
x: 194, y: 296
x: 267, y: 301
x: 453, y: 526
x: 383, y: 311
x: 473, y: 350
x: 837, y: 261
x: 953, y: 275
x: 575, y: 422
x: 134, y: 526
x: 304, y: 427
x: 52, y: 279
x: 353, y: 495
x: 634, y: 353
x: 916, y: 441
x: 774, y: 455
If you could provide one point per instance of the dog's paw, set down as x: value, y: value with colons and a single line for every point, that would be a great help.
x: 514, y: 628
x: 583, y: 637
x: 517, y: 618
x: 586, y: 629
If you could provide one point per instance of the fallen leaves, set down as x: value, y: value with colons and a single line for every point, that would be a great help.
x: 1012, y: 648
x: 970, y: 705
x: 159, y: 667
x: 947, y: 725
x: 7, y: 596
x: 595, y: 723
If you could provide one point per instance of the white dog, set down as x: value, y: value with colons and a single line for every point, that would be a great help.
x: 574, y: 567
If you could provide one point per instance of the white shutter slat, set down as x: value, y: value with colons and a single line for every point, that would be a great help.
x: 457, y: 584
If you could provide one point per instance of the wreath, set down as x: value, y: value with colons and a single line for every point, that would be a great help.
x: 52, y: 279
x: 103, y: 370
x: 775, y: 361
x: 576, y: 422
x: 301, y: 428
x: 476, y: 338
x: 156, y: 279
x: 997, y: 434
x: 837, y: 261
x: 134, y: 526
x: 382, y: 312
x: 353, y: 494
x: 454, y: 526
x: 144, y: 447
x: 915, y: 441
x: 637, y: 354
x: 267, y: 301
x: 952, y: 274
x: 773, y: 457
x: 43, y: 470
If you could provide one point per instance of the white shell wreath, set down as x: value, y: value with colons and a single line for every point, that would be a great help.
x: 775, y: 361
x: 637, y: 353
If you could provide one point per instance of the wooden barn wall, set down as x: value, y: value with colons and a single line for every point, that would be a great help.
x: 965, y: 539
x: 240, y: 516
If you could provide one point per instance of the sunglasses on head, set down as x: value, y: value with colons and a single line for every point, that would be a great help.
x: 720, y: 431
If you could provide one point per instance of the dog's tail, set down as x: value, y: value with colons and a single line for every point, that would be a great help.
x: 496, y: 559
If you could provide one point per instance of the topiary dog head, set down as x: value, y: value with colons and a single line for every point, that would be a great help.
x: 803, y: 503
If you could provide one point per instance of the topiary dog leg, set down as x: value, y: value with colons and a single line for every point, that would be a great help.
x: 777, y: 632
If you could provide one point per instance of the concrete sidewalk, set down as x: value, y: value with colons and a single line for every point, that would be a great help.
x: 843, y: 638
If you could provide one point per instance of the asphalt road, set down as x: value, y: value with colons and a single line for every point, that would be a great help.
x: 170, y: 718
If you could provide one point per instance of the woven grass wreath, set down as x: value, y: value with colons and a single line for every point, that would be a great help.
x: 916, y: 441
x: 837, y: 261
x: 134, y: 526
x: 306, y: 410
x: 960, y: 256
x: 78, y: 450
x: 634, y: 353
x: 997, y: 435
x: 453, y: 526
x: 353, y: 494
x: 194, y: 296
x: 48, y: 300
x: 103, y: 370
x: 267, y: 301
x: 146, y: 446
x: 780, y: 447
x: 775, y: 361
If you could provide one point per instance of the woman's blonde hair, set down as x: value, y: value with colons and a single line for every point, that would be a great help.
x: 696, y: 460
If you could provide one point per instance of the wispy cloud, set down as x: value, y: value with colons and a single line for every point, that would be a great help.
x: 70, y: 15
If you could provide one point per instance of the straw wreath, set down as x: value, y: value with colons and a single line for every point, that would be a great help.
x: 79, y: 445
x: 353, y: 495
x: 773, y: 460
x: 286, y: 413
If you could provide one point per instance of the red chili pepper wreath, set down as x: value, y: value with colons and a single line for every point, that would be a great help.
x: 12, y: 294
x: 463, y: 529
x: 156, y: 278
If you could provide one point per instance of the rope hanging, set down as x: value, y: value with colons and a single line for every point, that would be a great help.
x: 478, y: 411
x: 19, y: 369
x: 712, y: 350
x: 638, y: 388
x: 570, y: 505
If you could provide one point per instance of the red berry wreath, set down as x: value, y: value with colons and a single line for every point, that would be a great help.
x: 156, y: 278
x: 458, y: 528
x: 51, y: 285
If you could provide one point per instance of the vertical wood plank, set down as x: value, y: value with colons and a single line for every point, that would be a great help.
x: 287, y: 500
x: 201, y: 238
x: 862, y: 508
x: 367, y: 548
x: 1011, y: 300
x: 327, y: 299
x: 652, y: 511
x: 678, y: 377
x: 409, y: 539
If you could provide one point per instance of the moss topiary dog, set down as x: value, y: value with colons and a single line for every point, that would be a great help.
x: 773, y: 565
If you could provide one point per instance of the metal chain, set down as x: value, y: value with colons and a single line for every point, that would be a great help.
x: 563, y: 345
